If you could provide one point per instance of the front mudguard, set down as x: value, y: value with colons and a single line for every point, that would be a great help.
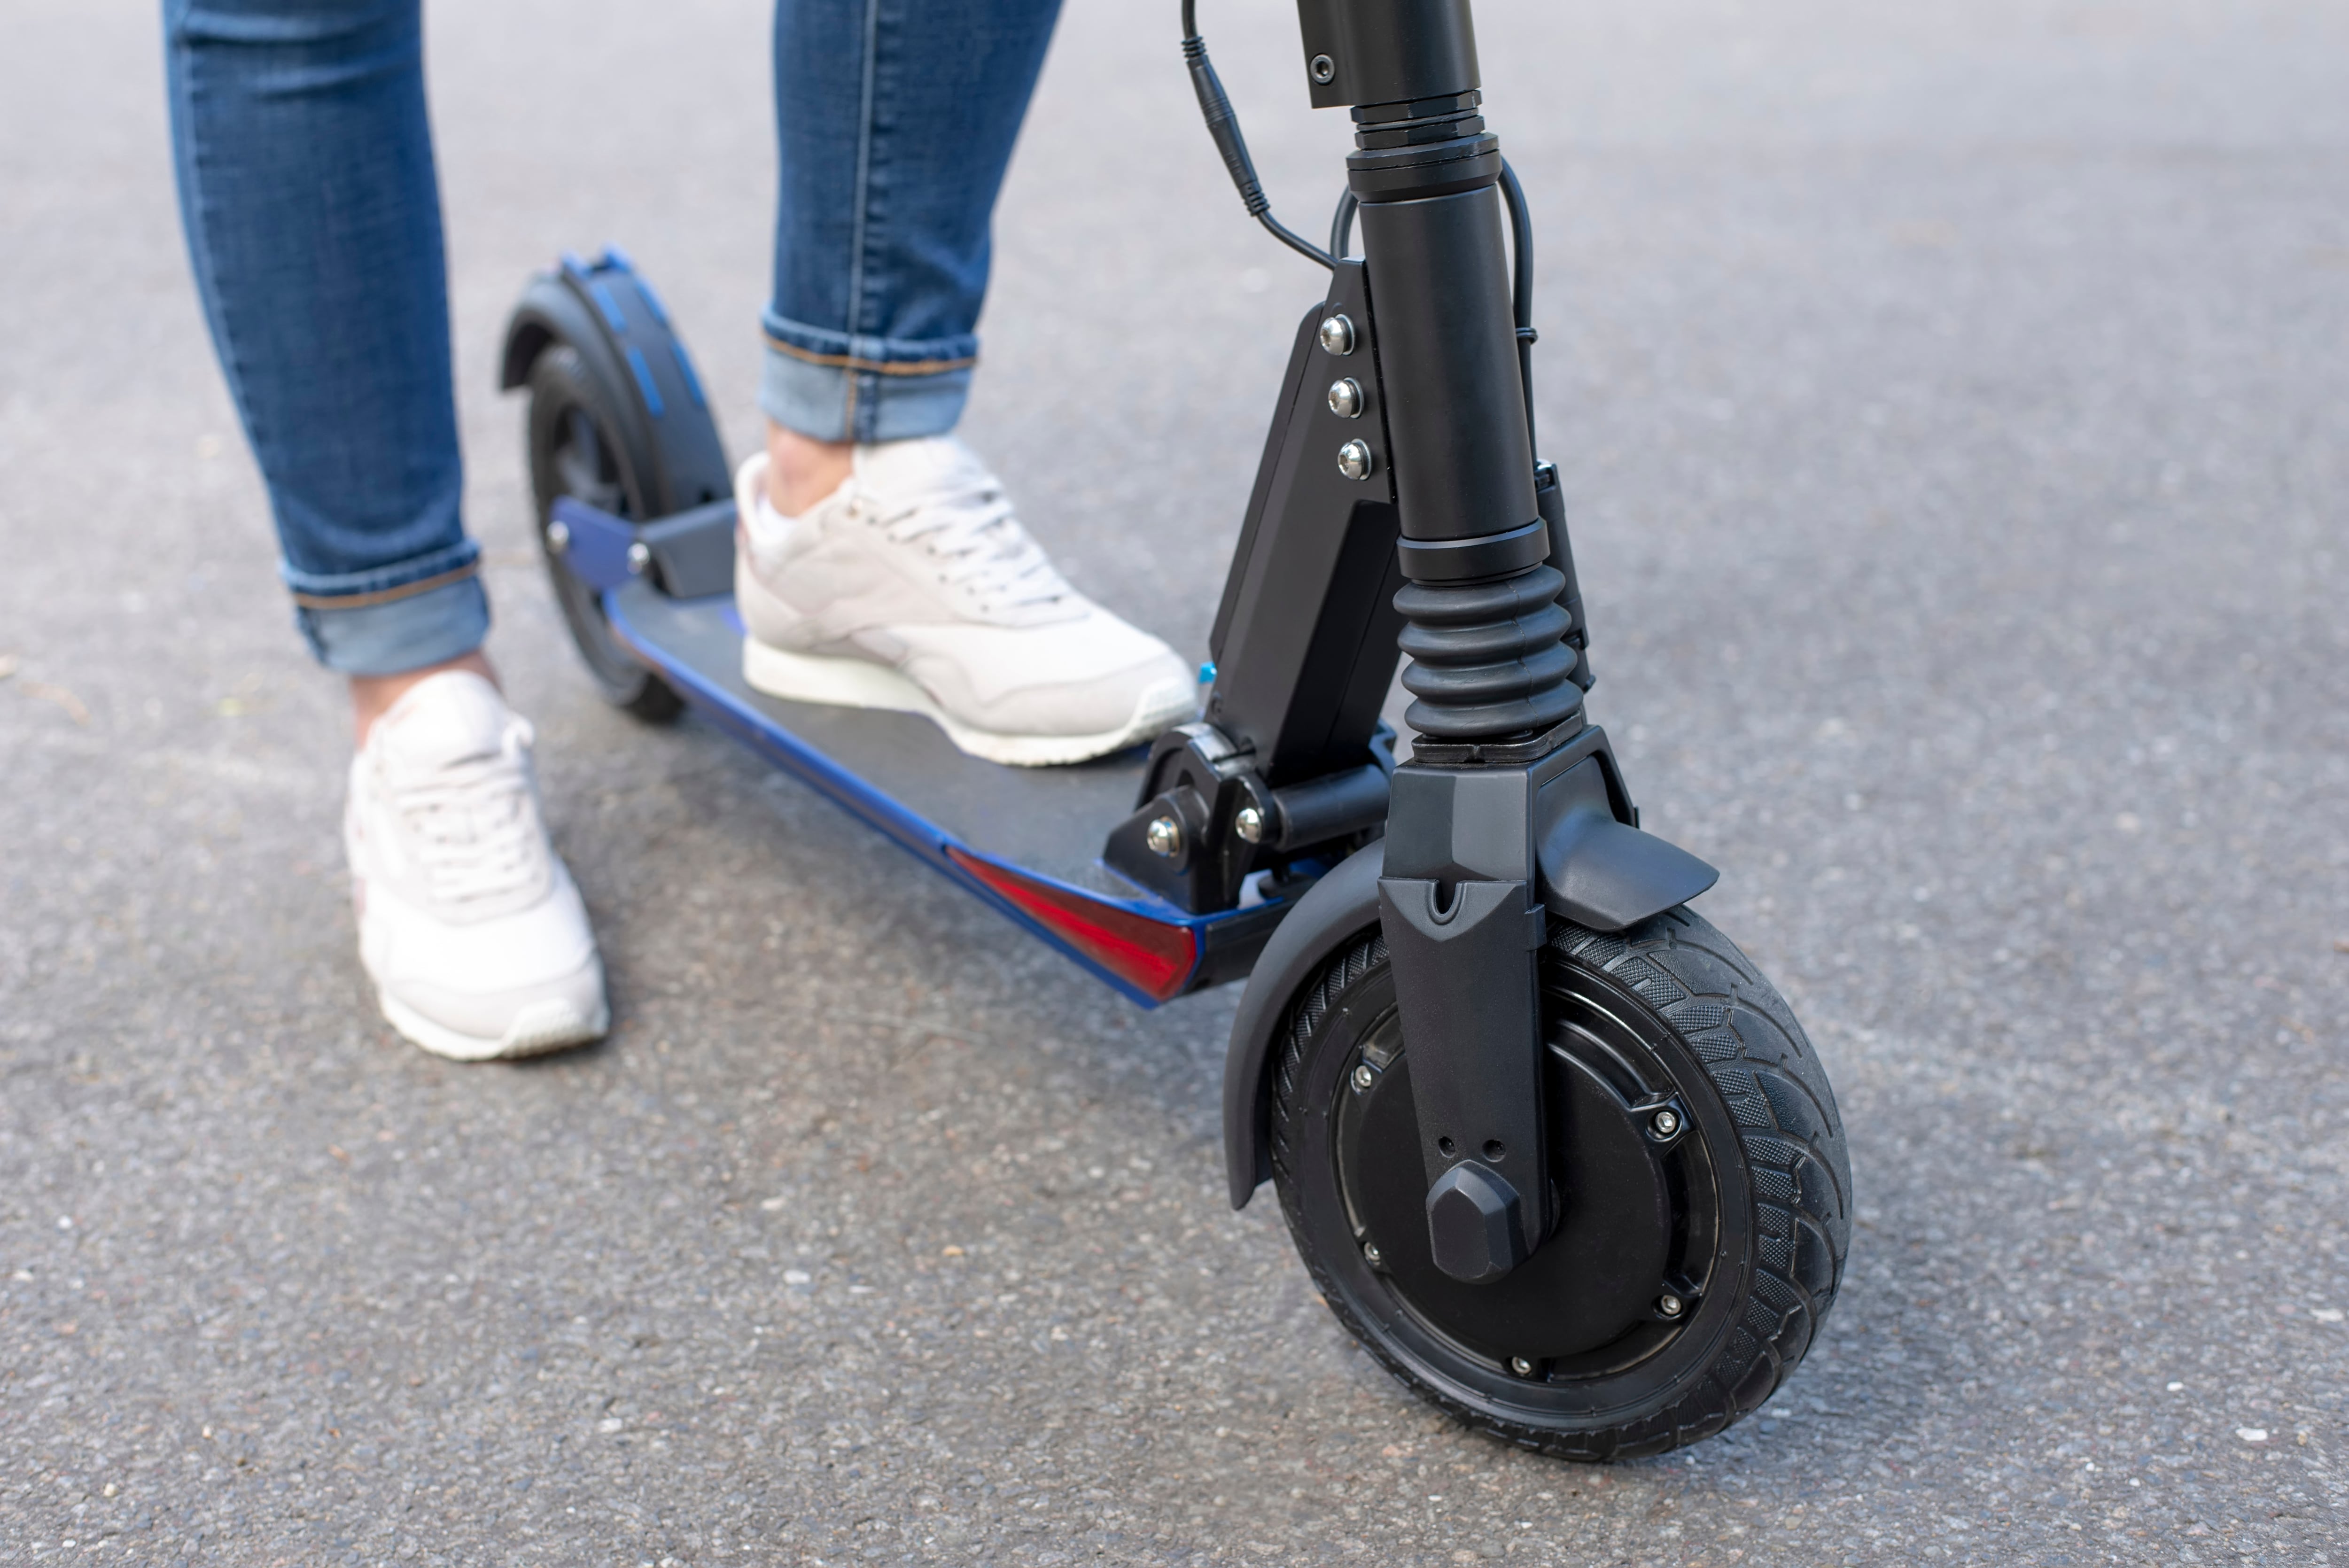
x: 1333, y: 912
x: 1596, y: 870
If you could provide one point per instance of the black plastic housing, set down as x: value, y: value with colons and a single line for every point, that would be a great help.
x: 1387, y: 51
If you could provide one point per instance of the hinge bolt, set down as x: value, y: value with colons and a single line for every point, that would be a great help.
x: 1346, y: 398
x: 1323, y: 69
x: 640, y: 556
x: 1165, y: 837
x: 558, y: 537
x: 1248, y: 823
x: 1336, y: 335
x: 1354, y: 460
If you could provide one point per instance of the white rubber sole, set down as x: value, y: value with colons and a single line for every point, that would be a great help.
x: 859, y: 683
x: 542, y: 1027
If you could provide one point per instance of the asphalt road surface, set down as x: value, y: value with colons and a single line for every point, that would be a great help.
x: 1954, y: 409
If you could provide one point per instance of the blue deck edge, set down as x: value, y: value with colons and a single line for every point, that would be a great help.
x: 602, y: 564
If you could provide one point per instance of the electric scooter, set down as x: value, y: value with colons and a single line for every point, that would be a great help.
x: 1551, y: 1146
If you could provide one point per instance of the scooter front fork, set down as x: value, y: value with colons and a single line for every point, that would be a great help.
x: 1497, y: 709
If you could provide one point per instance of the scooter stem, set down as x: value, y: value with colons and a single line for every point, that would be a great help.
x: 1491, y: 669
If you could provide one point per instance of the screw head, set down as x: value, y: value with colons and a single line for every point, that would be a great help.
x: 1521, y: 1366
x: 1354, y: 460
x: 1364, y: 1076
x: 558, y: 537
x: 1666, y: 1123
x: 1324, y: 68
x: 1165, y: 837
x: 1669, y: 1306
x: 1248, y: 823
x: 1346, y: 398
x: 640, y: 556
x: 1371, y: 1255
x: 1336, y: 335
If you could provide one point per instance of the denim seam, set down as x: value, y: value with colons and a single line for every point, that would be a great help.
x: 869, y: 87
x: 463, y: 556
x: 201, y: 212
x: 874, y: 367
x: 364, y: 599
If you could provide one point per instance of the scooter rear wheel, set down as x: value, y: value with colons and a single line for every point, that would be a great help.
x: 1700, y: 1176
x: 576, y: 449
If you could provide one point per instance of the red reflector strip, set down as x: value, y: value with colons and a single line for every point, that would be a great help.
x: 1155, y: 958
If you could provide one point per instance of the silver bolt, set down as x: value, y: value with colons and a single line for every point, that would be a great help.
x: 1346, y: 398
x: 1521, y: 1366
x: 1324, y: 68
x: 640, y: 556
x: 1165, y: 837
x: 558, y: 537
x: 1365, y: 1076
x: 1249, y: 824
x: 1670, y: 1305
x: 1371, y: 1255
x: 1666, y: 1122
x: 1354, y: 460
x: 1336, y: 335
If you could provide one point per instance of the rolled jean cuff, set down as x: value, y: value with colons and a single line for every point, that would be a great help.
x: 831, y: 386
x: 425, y: 620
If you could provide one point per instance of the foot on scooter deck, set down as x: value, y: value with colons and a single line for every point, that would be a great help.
x: 1027, y: 840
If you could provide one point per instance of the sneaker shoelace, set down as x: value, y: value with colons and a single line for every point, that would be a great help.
x: 471, y: 822
x: 980, y: 545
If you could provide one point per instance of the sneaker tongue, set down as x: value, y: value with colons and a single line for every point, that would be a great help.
x: 449, y: 718
x: 923, y: 465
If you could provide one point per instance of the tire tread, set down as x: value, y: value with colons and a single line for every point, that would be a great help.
x: 1747, y: 1041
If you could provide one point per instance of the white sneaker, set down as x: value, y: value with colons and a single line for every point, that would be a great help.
x: 469, y: 924
x: 913, y: 587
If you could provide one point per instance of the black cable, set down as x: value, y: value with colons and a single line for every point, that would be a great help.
x: 1341, y: 225
x: 1224, y: 126
x: 1521, y: 289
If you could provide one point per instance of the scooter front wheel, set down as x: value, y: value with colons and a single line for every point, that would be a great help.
x: 1700, y: 1177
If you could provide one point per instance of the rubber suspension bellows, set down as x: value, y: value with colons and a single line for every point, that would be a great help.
x: 1488, y: 659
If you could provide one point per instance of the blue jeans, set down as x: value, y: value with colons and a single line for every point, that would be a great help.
x: 313, y: 216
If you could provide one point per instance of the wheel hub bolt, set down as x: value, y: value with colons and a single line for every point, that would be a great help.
x: 1248, y: 823
x: 1371, y: 1255
x: 1666, y: 1122
x: 1165, y: 837
x: 1521, y: 1366
x: 1364, y: 1076
x: 1669, y: 1306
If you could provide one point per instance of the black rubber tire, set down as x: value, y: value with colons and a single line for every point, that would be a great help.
x: 1772, y: 1146
x: 575, y: 450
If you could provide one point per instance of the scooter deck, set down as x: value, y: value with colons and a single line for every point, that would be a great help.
x: 1026, y: 839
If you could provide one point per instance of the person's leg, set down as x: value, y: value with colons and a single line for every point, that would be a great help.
x: 314, y: 220
x: 313, y: 217
x: 895, y: 120
x: 880, y: 563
